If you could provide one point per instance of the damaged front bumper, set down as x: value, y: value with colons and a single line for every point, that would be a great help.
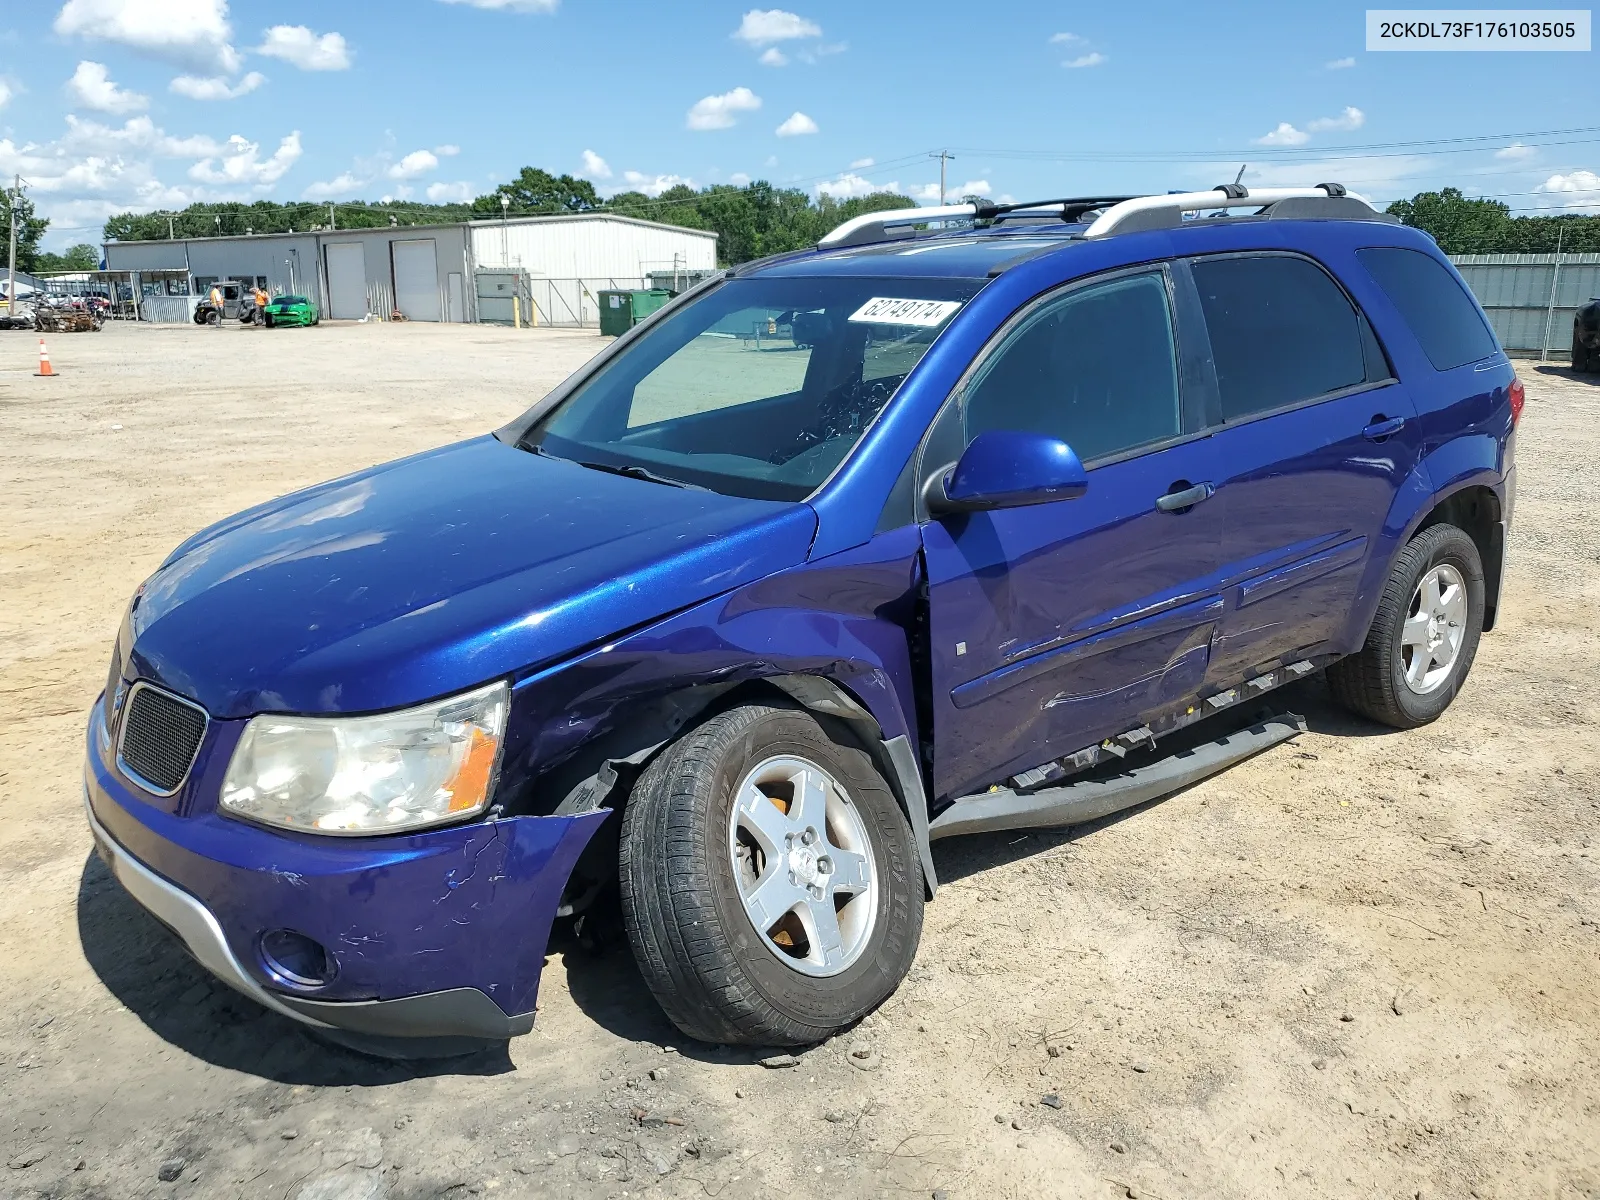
x: 438, y: 934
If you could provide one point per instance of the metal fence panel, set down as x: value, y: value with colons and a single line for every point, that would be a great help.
x: 1515, y: 291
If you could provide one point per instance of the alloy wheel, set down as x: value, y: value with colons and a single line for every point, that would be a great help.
x: 1434, y: 629
x: 803, y: 865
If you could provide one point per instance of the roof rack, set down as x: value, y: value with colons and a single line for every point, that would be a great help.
x: 1164, y: 212
x: 1121, y: 214
x: 874, y: 227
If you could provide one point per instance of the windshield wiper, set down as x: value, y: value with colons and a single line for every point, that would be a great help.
x: 635, y: 471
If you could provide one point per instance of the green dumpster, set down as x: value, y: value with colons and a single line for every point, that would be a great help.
x: 620, y: 311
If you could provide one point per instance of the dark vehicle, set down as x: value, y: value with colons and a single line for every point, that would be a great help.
x: 742, y: 625
x: 238, y: 303
x: 1586, y: 337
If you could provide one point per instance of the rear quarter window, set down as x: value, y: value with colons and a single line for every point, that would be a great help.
x: 1442, y: 315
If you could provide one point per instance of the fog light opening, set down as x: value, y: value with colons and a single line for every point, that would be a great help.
x: 296, y: 960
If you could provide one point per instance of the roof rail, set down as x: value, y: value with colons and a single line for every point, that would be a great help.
x: 1155, y: 212
x: 874, y: 227
x: 1121, y: 214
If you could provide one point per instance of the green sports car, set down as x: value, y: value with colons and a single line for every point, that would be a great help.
x: 291, y: 310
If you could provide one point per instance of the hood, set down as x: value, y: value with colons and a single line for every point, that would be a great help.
x: 432, y: 574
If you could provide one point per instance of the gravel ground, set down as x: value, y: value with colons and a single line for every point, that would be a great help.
x: 1360, y: 965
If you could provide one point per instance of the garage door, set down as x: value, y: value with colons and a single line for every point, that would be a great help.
x: 347, y: 281
x: 416, y: 280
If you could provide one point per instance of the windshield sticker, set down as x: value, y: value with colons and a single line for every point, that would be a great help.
x: 884, y: 310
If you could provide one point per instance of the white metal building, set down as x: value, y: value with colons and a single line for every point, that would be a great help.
x: 565, y: 261
x: 427, y: 272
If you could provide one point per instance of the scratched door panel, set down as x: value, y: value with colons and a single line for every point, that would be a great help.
x: 1056, y: 625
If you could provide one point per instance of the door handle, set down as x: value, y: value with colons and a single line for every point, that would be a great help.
x: 1383, y: 427
x: 1183, y: 501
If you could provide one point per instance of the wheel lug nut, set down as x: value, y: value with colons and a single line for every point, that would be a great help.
x: 809, y: 836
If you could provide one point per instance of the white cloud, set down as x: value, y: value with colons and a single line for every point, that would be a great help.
x: 811, y: 56
x: 418, y: 162
x: 862, y: 162
x: 241, y: 163
x: 1516, y: 152
x: 5, y: 93
x: 193, y: 33
x: 94, y: 170
x: 1340, y: 64
x: 1093, y: 59
x: 1284, y: 135
x: 447, y: 150
x: 346, y: 184
x: 1062, y: 39
x: 91, y: 87
x: 772, y: 57
x: 738, y: 179
x: 952, y: 193
x: 534, y: 6
x: 309, y: 51
x: 594, y: 166
x: 1350, y: 118
x: 797, y: 125
x: 654, y: 185
x: 1574, y: 190
x: 460, y: 192
x: 216, y: 87
x: 718, y: 112
x: 850, y: 185
x: 762, y: 27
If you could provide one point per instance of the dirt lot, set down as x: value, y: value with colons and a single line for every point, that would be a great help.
x: 1361, y: 965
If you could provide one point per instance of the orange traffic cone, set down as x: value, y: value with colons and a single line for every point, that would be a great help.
x: 44, y: 360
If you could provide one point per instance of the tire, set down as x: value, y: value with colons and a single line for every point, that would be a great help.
x: 213, y: 317
x: 717, y: 975
x: 1582, y: 357
x: 1374, y: 682
x: 266, y: 319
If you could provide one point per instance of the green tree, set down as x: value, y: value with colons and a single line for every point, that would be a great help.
x: 82, y: 257
x: 536, y: 191
x: 1465, y: 226
x: 30, y: 228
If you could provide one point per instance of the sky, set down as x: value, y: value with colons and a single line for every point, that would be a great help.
x: 115, y: 105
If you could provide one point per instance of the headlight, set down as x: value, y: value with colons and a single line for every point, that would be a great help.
x: 362, y: 775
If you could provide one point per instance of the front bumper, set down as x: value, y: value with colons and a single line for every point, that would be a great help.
x: 439, y: 934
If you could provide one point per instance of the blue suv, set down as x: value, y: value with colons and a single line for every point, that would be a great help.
x: 961, y: 520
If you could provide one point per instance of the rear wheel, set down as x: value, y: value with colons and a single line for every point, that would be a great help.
x: 770, y: 888
x: 1424, y: 635
x: 1583, y: 358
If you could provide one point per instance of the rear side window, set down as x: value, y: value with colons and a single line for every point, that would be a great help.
x: 1094, y: 367
x: 1282, y: 332
x: 1445, y: 320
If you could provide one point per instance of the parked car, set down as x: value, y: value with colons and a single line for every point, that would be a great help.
x: 746, y: 632
x: 1586, y: 337
x: 291, y: 310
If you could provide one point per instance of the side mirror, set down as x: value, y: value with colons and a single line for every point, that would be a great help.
x: 1006, y: 468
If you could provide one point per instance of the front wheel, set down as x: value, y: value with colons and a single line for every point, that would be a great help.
x: 770, y: 886
x: 1424, y: 635
x: 1583, y: 359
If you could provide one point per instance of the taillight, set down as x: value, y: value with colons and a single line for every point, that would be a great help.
x: 1519, y: 397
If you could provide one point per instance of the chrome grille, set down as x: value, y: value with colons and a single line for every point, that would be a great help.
x: 161, y: 735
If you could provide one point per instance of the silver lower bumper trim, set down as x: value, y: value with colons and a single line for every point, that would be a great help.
x: 189, y: 919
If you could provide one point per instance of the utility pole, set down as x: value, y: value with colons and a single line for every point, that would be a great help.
x: 943, y: 156
x: 332, y: 223
x: 170, y: 235
x: 11, y: 286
